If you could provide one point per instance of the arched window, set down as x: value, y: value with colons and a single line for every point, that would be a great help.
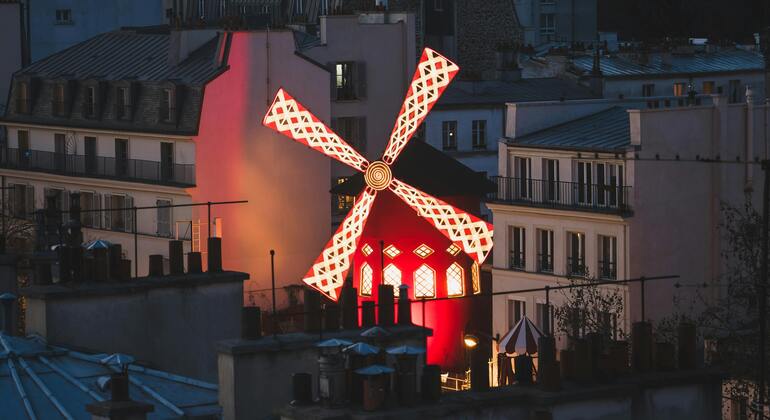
x: 424, y: 282
x: 366, y: 280
x: 454, y: 280
x: 392, y: 276
x: 475, y: 282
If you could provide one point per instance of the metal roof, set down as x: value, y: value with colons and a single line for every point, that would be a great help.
x: 722, y: 61
x: 498, y: 92
x: 128, y: 54
x: 42, y: 381
x: 606, y: 130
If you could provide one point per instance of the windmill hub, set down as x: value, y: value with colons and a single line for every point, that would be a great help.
x: 378, y: 175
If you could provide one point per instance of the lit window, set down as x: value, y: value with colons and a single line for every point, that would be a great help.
x: 392, y: 276
x: 366, y: 250
x: 453, y: 250
x: 454, y: 280
x: 423, y: 251
x: 476, y: 282
x: 449, y: 135
x: 366, y: 280
x: 709, y: 87
x: 424, y: 282
x: 343, y: 81
x: 391, y: 251
x: 680, y: 89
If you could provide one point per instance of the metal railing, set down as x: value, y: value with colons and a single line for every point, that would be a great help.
x: 608, y: 269
x: 558, y: 194
x: 517, y: 260
x: 98, y: 166
x: 545, y: 263
x: 577, y: 267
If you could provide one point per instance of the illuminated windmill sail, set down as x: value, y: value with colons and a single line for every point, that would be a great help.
x: 290, y: 118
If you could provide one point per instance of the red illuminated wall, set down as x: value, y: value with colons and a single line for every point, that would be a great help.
x: 394, y: 223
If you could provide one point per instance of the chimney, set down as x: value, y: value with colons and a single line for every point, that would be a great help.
x: 194, y: 263
x: 215, y: 254
x: 596, y: 80
x: 7, y: 301
x: 176, y: 258
x: 368, y: 314
x: 404, y: 306
x: 349, y: 307
x: 251, y: 323
x: 385, y: 305
x: 119, y: 406
x: 156, y: 266
x: 312, y: 314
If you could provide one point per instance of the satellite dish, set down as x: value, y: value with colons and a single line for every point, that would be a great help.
x: 71, y: 145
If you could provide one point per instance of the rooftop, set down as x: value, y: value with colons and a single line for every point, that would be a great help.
x: 605, y: 131
x: 721, y: 61
x: 139, y: 54
x: 497, y: 92
x: 44, y: 381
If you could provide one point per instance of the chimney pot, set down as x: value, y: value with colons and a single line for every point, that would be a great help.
x: 349, y: 308
x: 251, y: 323
x: 194, y: 263
x: 176, y: 257
x: 404, y: 306
x: 367, y: 314
x: 385, y: 305
x: 215, y: 254
x: 156, y: 265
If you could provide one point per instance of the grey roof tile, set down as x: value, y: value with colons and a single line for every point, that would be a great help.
x: 497, y: 92
x: 606, y: 130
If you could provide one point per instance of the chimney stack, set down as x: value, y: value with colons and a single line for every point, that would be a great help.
x: 215, y: 254
x: 119, y: 406
x: 251, y: 323
x: 385, y: 305
x: 194, y: 263
x: 404, y: 306
x: 156, y: 266
x: 176, y: 257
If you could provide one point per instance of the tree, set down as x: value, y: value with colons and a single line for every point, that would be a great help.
x: 590, y: 308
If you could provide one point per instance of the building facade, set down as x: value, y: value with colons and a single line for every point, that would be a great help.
x: 10, y: 45
x: 599, y: 190
x: 557, y: 21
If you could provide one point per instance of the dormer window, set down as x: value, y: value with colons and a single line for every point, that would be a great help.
x: 22, y: 98
x: 167, y: 105
x: 89, y: 102
x: 123, y: 103
x: 58, y: 99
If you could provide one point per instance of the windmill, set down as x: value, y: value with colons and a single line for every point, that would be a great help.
x: 471, y: 234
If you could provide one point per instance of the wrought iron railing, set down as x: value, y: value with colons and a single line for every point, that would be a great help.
x: 98, y: 166
x: 576, y: 266
x: 545, y: 263
x: 517, y: 260
x: 608, y: 270
x: 558, y: 194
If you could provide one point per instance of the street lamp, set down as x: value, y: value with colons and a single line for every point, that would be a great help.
x: 470, y: 341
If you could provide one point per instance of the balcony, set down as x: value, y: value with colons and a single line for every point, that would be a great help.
x: 132, y: 170
x: 561, y: 195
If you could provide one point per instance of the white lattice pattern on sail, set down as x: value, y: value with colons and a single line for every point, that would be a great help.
x: 454, y: 280
x: 473, y: 234
x: 424, y: 282
x: 392, y: 276
x: 291, y: 119
x: 328, y: 273
x: 367, y: 275
x: 433, y: 74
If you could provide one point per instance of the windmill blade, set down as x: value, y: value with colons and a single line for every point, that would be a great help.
x: 290, y: 118
x: 330, y: 268
x: 471, y: 234
x: 433, y: 74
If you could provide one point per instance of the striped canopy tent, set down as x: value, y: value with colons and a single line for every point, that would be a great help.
x: 521, y: 339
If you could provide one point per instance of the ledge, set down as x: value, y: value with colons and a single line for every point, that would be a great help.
x: 295, y: 341
x: 78, y: 290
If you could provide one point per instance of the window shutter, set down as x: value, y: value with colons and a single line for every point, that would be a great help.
x: 107, y: 212
x: 360, y: 78
x: 30, y: 207
x: 96, y: 204
x: 332, y: 81
x: 129, y: 214
x: 361, y: 135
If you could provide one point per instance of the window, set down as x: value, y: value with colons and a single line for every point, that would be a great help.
x: 391, y: 251
x: 344, y: 84
x: 479, y: 134
x: 89, y: 102
x: 24, y: 153
x: 119, y: 215
x: 58, y: 100
x: 576, y: 251
x: 680, y: 89
x: 167, y: 106
x: 609, y: 324
x: 424, y: 282
x: 366, y: 280
x: 61, y: 202
x: 64, y: 16
x: 648, y: 89
x: 547, y: 24
x: 609, y: 184
x: 22, y: 201
x: 709, y: 87
x: 608, y: 257
x: 475, y: 280
x: 423, y: 251
x: 167, y: 161
x: 517, y: 309
x: 122, y: 103
x: 584, y: 179
x: 551, y: 179
x: 392, y: 276
x: 518, y: 238
x: 352, y: 130
x: 523, y: 181
x: 90, y: 155
x: 366, y: 250
x: 544, y: 314
x: 60, y: 148
x: 455, y: 280
x: 545, y: 251
x: 164, y: 218
x: 734, y: 91
x: 22, y: 98
x: 121, y: 157
x: 90, y: 201
x: 299, y: 8
x: 449, y: 135
x: 342, y: 203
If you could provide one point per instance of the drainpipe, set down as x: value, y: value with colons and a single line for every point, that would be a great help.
x: 748, y: 167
